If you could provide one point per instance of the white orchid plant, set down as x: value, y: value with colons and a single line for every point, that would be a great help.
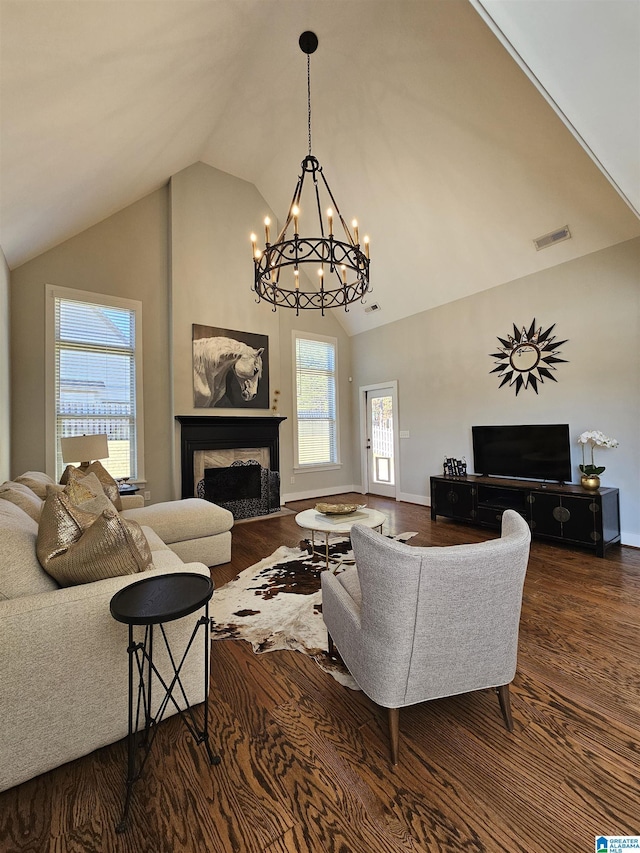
x: 594, y: 438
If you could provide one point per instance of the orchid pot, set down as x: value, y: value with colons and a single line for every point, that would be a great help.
x: 590, y: 482
x: 590, y: 472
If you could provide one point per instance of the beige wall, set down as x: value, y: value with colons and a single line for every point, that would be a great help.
x: 440, y: 357
x: 184, y: 253
x: 5, y: 392
x: 441, y: 361
x: 212, y: 215
x: 125, y: 256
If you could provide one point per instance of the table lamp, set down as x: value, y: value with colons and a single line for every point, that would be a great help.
x: 84, y: 449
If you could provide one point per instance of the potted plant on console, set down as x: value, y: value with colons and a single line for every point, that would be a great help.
x: 590, y: 478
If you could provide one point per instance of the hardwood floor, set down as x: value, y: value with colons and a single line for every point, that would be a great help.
x: 305, y: 762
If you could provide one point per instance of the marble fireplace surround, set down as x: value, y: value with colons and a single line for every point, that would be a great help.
x: 212, y: 434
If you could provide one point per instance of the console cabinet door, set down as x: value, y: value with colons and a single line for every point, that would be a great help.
x: 546, y: 519
x: 454, y: 499
x: 564, y: 517
x: 585, y: 520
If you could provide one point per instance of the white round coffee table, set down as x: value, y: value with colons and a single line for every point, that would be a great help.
x: 317, y: 522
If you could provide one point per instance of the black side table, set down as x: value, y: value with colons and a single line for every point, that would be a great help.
x: 128, y: 488
x: 155, y: 601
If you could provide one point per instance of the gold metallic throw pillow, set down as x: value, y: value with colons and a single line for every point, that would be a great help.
x: 61, y: 524
x: 80, y: 490
x: 65, y: 474
x: 75, y: 546
x: 109, y: 485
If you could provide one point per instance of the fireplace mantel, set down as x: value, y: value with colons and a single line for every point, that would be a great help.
x: 202, y: 432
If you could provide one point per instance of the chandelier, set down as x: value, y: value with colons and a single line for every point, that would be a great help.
x: 338, y: 265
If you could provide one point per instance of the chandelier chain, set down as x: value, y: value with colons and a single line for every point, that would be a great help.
x: 309, y: 100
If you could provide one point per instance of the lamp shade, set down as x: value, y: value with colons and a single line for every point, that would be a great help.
x: 84, y: 448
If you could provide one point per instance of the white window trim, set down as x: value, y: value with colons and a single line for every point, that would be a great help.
x: 51, y: 293
x: 321, y: 466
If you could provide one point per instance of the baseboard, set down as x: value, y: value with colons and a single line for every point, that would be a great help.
x: 423, y: 500
x: 319, y: 493
x: 282, y: 513
x: 632, y: 539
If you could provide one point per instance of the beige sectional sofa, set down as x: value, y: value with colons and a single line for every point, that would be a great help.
x: 63, y: 658
x: 194, y: 529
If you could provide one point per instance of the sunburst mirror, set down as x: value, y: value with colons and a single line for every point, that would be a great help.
x: 528, y: 357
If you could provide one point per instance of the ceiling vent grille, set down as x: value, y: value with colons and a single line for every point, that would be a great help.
x: 551, y: 239
x: 375, y: 306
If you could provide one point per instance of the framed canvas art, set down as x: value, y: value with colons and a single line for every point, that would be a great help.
x: 230, y: 369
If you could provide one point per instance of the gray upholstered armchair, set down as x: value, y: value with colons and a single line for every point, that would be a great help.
x: 413, y: 624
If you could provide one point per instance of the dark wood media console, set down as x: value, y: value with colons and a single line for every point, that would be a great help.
x: 567, y: 513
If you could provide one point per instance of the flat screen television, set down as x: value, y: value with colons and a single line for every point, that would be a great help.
x: 535, y: 452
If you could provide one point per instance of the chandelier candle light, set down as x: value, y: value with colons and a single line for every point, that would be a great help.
x: 341, y: 265
x: 590, y: 478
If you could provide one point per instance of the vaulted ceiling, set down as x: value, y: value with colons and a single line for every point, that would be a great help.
x: 456, y: 131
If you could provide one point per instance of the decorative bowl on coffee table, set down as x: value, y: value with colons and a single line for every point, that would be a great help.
x: 336, y: 509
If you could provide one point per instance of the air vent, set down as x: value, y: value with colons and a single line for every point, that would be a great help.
x: 554, y: 237
x: 375, y: 306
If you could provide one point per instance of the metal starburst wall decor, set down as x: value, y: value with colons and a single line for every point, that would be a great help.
x: 528, y: 357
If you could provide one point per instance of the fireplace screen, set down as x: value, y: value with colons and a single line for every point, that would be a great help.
x: 245, y: 488
x: 236, y: 483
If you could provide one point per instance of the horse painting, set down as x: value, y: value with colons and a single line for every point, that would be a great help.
x: 213, y: 358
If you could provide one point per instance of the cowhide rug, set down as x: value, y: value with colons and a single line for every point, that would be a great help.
x: 277, y: 603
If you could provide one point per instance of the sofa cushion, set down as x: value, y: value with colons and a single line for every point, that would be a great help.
x: 75, y: 546
x: 22, y: 496
x: 37, y: 481
x: 109, y: 485
x: 178, y: 521
x: 20, y: 572
x: 210, y: 550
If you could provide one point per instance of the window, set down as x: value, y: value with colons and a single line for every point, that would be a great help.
x: 316, y: 434
x: 94, y: 376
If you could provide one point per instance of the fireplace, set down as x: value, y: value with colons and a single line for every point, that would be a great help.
x: 221, y: 453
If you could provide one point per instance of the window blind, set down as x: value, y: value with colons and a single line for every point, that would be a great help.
x: 316, y: 402
x: 95, y: 379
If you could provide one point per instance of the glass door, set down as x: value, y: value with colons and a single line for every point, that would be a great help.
x: 380, y: 442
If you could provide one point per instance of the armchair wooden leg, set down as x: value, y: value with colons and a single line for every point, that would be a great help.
x: 505, y: 705
x: 394, y: 732
x: 332, y: 648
